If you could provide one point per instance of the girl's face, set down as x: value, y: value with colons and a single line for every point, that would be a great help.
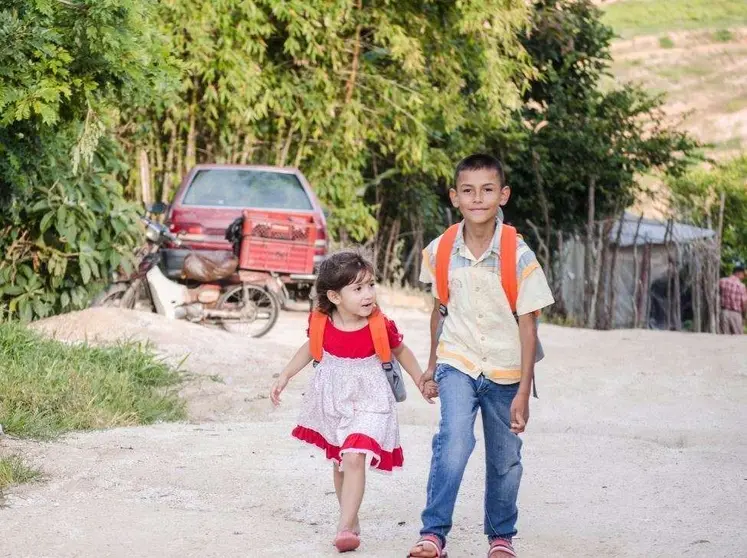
x: 358, y: 298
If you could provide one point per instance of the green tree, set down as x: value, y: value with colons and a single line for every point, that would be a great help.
x: 696, y: 198
x: 65, y: 67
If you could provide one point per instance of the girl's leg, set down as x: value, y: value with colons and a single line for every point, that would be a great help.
x: 338, y: 477
x: 353, y: 487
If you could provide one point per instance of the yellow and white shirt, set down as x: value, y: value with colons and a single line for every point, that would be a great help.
x: 480, y: 334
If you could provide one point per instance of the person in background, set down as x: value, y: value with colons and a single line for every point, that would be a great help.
x: 733, y: 301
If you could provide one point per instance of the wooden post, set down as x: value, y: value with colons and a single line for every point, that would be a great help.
x: 646, y: 300
x: 636, y: 277
x: 717, y: 271
x: 613, y: 265
x: 588, y: 285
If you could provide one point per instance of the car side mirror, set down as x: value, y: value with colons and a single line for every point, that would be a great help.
x: 158, y: 208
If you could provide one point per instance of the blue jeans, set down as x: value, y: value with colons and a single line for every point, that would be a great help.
x: 461, y: 396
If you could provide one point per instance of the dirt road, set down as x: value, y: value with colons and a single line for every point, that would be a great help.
x: 637, y: 447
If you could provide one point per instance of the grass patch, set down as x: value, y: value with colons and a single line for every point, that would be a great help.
x: 13, y: 470
x: 666, y: 42
x: 723, y: 36
x: 648, y: 17
x: 49, y: 387
x: 732, y: 144
x: 735, y: 105
x: 676, y: 74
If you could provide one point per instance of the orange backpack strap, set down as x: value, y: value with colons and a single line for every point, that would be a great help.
x: 508, y: 265
x: 443, y: 262
x: 377, y: 325
x: 317, y: 323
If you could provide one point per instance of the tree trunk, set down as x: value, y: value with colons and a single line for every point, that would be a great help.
x: 350, y: 85
x: 545, y: 208
x: 286, y: 147
x: 190, y: 159
x: 147, y: 196
x: 168, y: 171
x: 390, y: 246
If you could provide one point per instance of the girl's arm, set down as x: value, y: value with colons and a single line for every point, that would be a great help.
x: 296, y: 364
x: 410, y: 364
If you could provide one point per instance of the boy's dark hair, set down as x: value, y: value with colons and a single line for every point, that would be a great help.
x: 480, y: 161
x: 337, y: 272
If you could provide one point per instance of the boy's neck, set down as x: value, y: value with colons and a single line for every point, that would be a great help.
x: 480, y: 231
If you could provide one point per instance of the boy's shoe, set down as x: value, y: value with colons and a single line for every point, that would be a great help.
x: 431, y: 542
x: 501, y: 548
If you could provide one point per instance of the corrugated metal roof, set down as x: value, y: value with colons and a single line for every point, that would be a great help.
x: 654, y: 232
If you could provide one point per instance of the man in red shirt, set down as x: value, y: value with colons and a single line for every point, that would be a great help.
x: 733, y: 302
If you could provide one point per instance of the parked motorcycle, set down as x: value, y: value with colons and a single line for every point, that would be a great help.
x: 213, y: 291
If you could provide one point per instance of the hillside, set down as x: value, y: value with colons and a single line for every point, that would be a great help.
x: 695, y: 51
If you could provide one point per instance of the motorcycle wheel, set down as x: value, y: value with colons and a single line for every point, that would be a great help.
x: 114, y: 297
x: 262, y: 310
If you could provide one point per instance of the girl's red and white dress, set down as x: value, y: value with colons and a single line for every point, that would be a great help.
x: 349, y: 405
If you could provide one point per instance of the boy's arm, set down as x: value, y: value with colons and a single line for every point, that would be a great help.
x: 435, y: 321
x: 296, y: 364
x: 408, y: 361
x: 528, y: 339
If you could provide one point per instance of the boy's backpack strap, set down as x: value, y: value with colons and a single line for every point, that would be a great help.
x: 508, y: 265
x: 377, y: 325
x: 317, y: 323
x: 443, y: 262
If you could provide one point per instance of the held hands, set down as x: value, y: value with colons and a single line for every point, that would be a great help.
x: 277, y: 389
x: 428, y: 387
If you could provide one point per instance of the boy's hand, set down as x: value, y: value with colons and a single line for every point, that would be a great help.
x: 519, y: 413
x: 277, y: 389
x: 427, y: 376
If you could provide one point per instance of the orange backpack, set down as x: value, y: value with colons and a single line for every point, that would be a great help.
x: 377, y: 325
x: 509, y: 240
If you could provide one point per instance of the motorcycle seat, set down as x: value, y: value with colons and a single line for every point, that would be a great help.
x: 205, y: 269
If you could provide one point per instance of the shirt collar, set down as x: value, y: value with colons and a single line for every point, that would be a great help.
x: 460, y: 247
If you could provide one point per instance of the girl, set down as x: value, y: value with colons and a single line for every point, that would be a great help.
x: 349, y: 408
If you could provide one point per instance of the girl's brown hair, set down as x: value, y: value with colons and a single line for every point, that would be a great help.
x: 337, y: 272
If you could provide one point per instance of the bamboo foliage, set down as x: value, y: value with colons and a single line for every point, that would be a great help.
x: 327, y: 85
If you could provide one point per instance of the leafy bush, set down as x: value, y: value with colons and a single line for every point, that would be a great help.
x: 60, y: 242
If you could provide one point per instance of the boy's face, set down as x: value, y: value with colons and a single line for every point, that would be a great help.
x: 479, y: 195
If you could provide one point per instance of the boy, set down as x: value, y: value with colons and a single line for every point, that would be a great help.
x: 482, y: 359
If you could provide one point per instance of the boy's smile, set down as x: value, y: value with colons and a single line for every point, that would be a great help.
x: 479, y: 195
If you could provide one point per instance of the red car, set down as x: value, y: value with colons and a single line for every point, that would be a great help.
x: 211, y: 197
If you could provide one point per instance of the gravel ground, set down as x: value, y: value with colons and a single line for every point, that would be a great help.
x: 637, y: 447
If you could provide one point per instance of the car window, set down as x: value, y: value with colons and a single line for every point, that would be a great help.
x: 247, y: 188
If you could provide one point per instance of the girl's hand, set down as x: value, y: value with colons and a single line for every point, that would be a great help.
x: 277, y: 389
x: 429, y: 390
